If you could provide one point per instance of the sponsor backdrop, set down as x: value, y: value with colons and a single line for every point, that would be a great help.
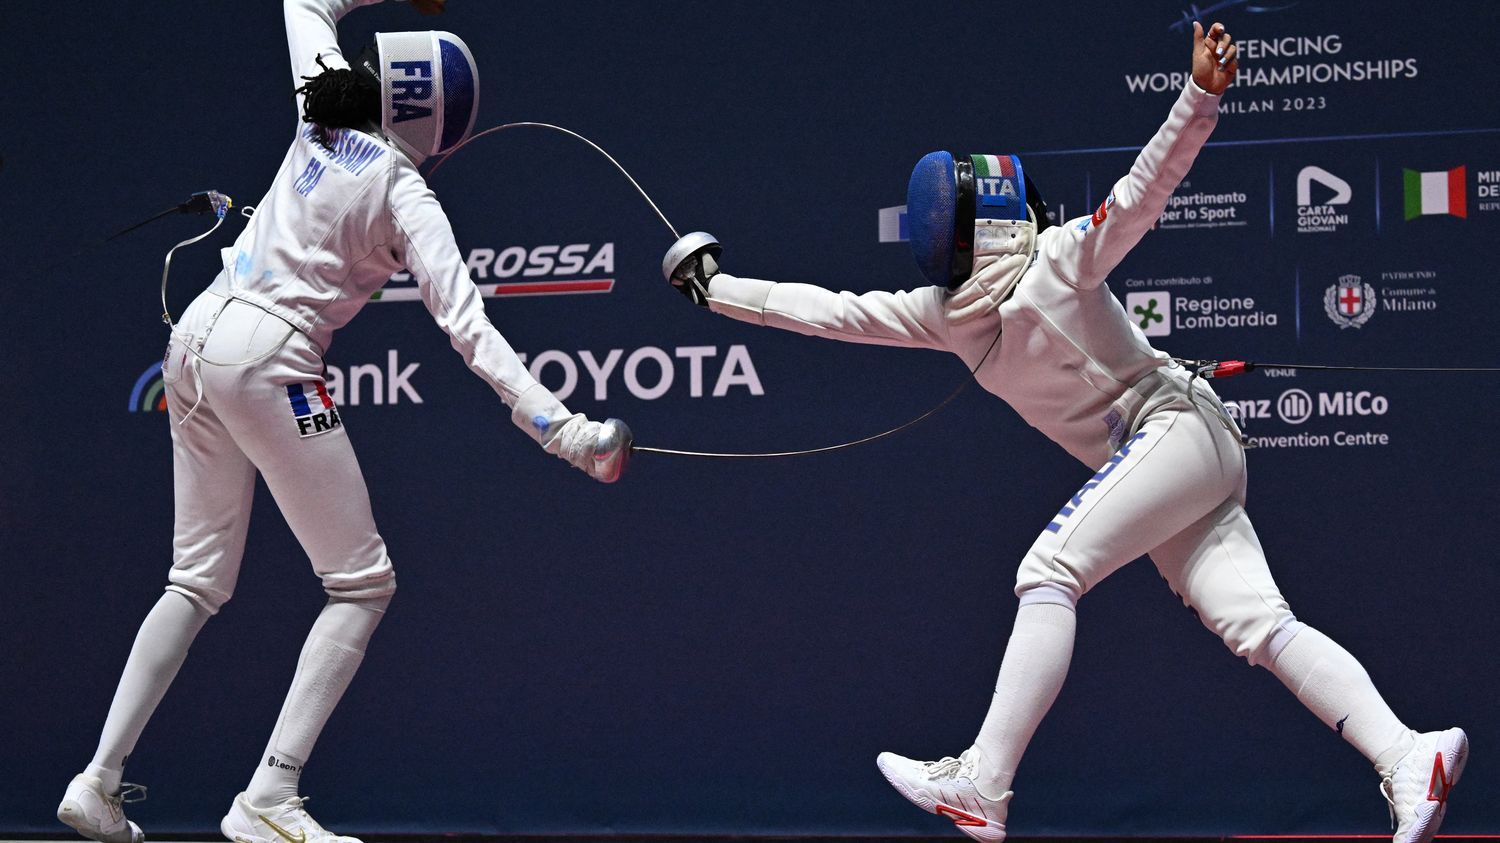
x: 723, y: 647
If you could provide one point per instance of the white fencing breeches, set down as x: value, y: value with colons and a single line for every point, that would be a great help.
x: 1175, y: 490
x: 275, y: 416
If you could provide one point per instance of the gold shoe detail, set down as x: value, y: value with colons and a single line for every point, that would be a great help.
x: 299, y: 837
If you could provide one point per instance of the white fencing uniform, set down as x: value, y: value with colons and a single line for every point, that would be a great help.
x: 1171, y: 474
x: 346, y: 210
x: 245, y: 392
x: 1170, y: 480
x: 274, y: 416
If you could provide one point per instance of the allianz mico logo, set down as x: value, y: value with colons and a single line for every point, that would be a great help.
x: 1296, y: 406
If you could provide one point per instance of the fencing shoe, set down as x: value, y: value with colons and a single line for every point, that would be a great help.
x: 284, y: 822
x: 1418, y: 785
x: 98, y: 815
x: 946, y: 788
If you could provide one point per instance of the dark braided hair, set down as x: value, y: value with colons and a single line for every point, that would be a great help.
x: 339, y: 98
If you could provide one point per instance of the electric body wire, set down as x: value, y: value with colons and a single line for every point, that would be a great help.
x: 842, y: 445
x: 166, y: 271
x: 1220, y: 369
x: 185, y: 338
x: 1378, y: 368
x: 1204, y: 368
x: 572, y: 134
x: 712, y: 454
x: 175, y: 209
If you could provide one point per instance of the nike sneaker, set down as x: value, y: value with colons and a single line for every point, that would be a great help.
x: 1418, y: 785
x: 284, y: 822
x: 98, y: 815
x: 946, y: 788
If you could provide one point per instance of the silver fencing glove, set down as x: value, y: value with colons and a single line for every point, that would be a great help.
x: 599, y: 449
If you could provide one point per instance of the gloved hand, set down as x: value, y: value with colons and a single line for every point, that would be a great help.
x: 691, y: 263
x: 600, y: 450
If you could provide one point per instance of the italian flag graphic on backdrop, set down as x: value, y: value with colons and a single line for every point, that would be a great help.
x: 1441, y: 192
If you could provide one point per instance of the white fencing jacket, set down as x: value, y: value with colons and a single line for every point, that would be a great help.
x: 348, y: 209
x: 1069, y: 359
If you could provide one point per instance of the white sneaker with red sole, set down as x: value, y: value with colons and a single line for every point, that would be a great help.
x: 946, y: 788
x: 1418, y: 785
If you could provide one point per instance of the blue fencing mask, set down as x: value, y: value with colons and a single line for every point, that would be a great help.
x: 947, y: 194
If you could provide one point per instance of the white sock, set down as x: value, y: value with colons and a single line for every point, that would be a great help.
x: 159, y: 650
x: 1032, y: 672
x: 1335, y: 687
x: 334, y: 649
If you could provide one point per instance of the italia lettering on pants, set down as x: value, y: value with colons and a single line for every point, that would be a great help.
x: 1077, y: 499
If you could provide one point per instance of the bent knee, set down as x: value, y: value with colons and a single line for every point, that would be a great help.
x: 1257, y: 637
x: 1041, y: 566
x: 1055, y: 593
x: 376, y: 603
x: 207, y: 599
x: 365, y: 591
x: 369, y: 578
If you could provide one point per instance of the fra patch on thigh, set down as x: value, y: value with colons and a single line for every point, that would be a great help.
x: 313, y: 414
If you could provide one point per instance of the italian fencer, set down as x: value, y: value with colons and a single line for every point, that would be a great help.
x: 246, y: 394
x: 1023, y: 302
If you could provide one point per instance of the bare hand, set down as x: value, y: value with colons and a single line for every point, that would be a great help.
x: 1215, y: 59
x: 429, y: 7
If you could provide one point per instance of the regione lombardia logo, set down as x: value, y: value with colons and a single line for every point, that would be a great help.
x: 1151, y: 312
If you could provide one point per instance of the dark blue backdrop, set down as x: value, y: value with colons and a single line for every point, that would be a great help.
x: 723, y: 648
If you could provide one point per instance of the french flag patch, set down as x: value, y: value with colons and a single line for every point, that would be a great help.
x: 313, y: 411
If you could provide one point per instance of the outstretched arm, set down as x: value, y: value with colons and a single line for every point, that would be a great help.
x: 423, y: 239
x: 912, y: 319
x: 1091, y: 247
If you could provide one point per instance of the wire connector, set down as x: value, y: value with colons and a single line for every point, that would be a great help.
x: 207, y: 201
x: 1210, y: 369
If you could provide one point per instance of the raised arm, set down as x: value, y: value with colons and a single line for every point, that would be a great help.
x: 1091, y: 247
x: 312, y: 33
